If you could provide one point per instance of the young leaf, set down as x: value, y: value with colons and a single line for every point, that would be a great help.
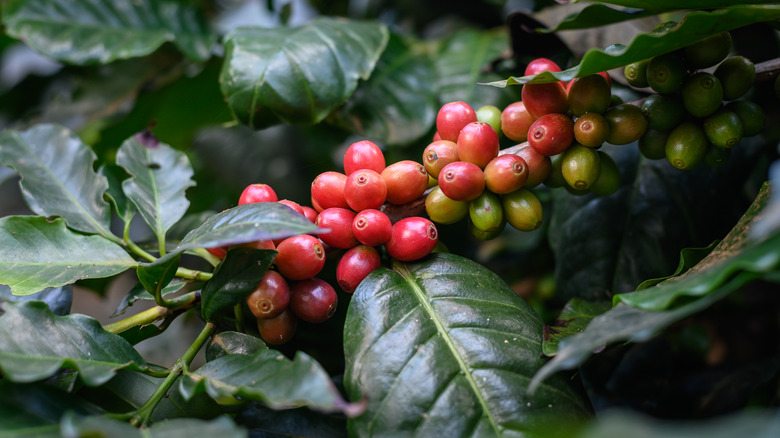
x: 234, y: 279
x: 59, y: 299
x: 159, y: 177
x: 60, y: 183
x: 35, y: 344
x: 575, y: 316
x: 101, y: 31
x: 445, y: 347
x: 122, y: 204
x: 38, y: 253
x: 157, y: 275
x: 267, y: 376
x: 297, y: 75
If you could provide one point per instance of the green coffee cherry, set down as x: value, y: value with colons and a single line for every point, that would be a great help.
x: 626, y: 124
x: 580, y: 166
x: 663, y: 111
x: 589, y: 94
x: 652, y: 144
x: 522, y: 210
x: 736, y: 75
x: 708, y: 52
x: 486, y: 235
x: 591, y: 129
x: 686, y: 146
x: 608, y: 181
x: 751, y: 114
x: 486, y: 212
x: 444, y: 210
x: 702, y: 94
x: 716, y: 157
x: 723, y: 129
x: 636, y: 73
x: 666, y: 73
x: 491, y: 115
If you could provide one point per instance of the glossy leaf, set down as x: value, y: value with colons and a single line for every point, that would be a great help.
x: 101, y: 31
x: 138, y: 293
x: 222, y: 427
x: 397, y: 104
x: 123, y: 206
x: 59, y: 299
x: 267, y: 376
x: 297, y: 75
x: 38, y: 253
x: 61, y: 183
x: 575, y: 316
x: 247, y: 223
x: 689, y: 257
x: 234, y: 279
x: 159, y: 177
x: 35, y: 344
x: 769, y: 222
x: 224, y: 343
x: 596, y: 15
x: 695, y: 26
x: 158, y: 274
x: 303, y: 422
x: 445, y: 347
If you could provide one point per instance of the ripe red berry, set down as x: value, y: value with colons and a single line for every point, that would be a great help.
x: 363, y: 155
x: 439, y: 154
x: 541, y: 99
x: 300, y: 257
x: 515, y: 121
x: 478, y: 144
x: 279, y: 329
x: 327, y: 190
x: 310, y: 213
x: 313, y: 300
x: 257, y: 244
x: 506, y: 173
x: 406, y: 181
x: 355, y: 265
x: 539, y: 166
x: 539, y: 65
x: 365, y: 189
x: 461, y: 181
x: 413, y: 238
x: 339, y: 222
x: 292, y: 204
x: 257, y: 193
x: 372, y: 227
x: 452, y: 117
x: 270, y: 297
x: 551, y: 134
x: 219, y: 253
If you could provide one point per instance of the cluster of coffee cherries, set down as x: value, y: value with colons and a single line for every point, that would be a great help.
x: 695, y: 115
x: 347, y: 206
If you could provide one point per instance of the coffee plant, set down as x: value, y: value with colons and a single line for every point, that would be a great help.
x: 301, y: 209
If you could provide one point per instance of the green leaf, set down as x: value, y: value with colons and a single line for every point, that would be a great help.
x: 35, y: 344
x: 694, y: 27
x: 302, y: 422
x: 575, y: 316
x: 122, y: 204
x: 57, y: 176
x: 672, y: 4
x: 38, y: 253
x: 222, y: 427
x: 234, y: 279
x: 101, y: 31
x: 158, y: 274
x: 397, y: 104
x: 297, y: 75
x: 225, y: 343
x: 445, y: 347
x: 247, y: 223
x: 267, y: 376
x: 689, y: 257
x: 159, y: 176
x: 597, y: 15
x: 59, y: 299
x: 138, y: 293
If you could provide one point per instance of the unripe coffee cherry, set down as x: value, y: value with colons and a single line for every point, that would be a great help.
x: 491, y: 115
x: 589, y: 94
x: 486, y: 212
x: 413, y: 238
x: 723, y: 129
x: 626, y: 124
x: 439, y: 154
x: 300, y: 257
x: 506, y: 173
x: 652, y: 144
x: 591, y: 130
x: 279, y: 329
x: 486, y: 235
x: 355, y: 265
x: 365, y: 189
x: 580, y: 166
x: 663, y: 111
x: 444, y: 210
x: 270, y: 297
x: 257, y: 193
x: 406, y: 181
x: 339, y: 222
x: 462, y: 181
x: 371, y: 227
x: 686, y: 146
x: 522, y: 210
x: 752, y: 116
x: 608, y: 181
x: 515, y: 121
x: 708, y: 52
x: 327, y: 190
x: 636, y: 73
x: 702, y: 94
x: 452, y: 117
x: 478, y: 144
x: 666, y: 73
x: 555, y: 178
x: 551, y: 134
x: 313, y: 300
x: 363, y: 154
x: 538, y: 166
x: 736, y: 75
x: 541, y: 99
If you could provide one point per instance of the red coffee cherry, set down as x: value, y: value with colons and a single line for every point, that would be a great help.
x: 406, y: 181
x: 365, y: 189
x: 292, y: 204
x: 279, y: 329
x: 541, y: 99
x: 300, y: 257
x: 363, y: 155
x: 372, y: 227
x: 355, y: 265
x: 506, y: 173
x: 452, y: 117
x: 310, y: 213
x: 478, y: 143
x: 539, y: 65
x: 551, y: 134
x: 257, y: 244
x: 515, y: 121
x: 327, y: 190
x: 313, y: 300
x: 339, y: 221
x: 539, y: 166
x: 413, y: 238
x: 270, y: 297
x: 219, y: 253
x: 257, y: 193
x: 439, y: 154
x: 461, y: 181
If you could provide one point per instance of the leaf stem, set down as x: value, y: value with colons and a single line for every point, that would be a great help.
x: 192, y: 274
x: 161, y: 243
x: 133, y: 247
x: 144, y: 413
x: 154, y: 314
